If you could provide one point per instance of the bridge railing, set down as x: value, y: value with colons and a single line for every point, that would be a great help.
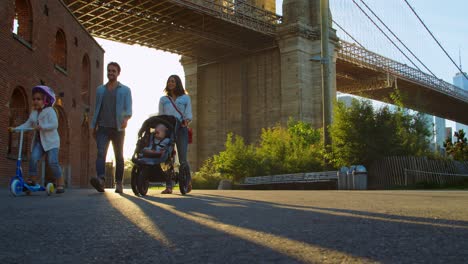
x: 355, y: 54
x: 238, y: 12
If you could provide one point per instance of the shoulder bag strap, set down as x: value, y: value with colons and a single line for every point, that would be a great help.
x: 175, y: 107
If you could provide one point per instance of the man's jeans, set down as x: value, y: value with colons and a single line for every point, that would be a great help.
x: 52, y: 160
x: 182, y: 148
x: 103, y: 137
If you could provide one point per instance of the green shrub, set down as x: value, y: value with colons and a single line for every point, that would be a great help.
x: 237, y: 160
x: 280, y: 150
x: 207, y: 177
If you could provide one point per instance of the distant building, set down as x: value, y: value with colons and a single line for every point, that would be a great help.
x: 461, y: 81
x: 346, y: 99
x: 449, y: 133
x: 440, y: 131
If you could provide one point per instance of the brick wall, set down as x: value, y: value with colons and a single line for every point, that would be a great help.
x: 26, y: 63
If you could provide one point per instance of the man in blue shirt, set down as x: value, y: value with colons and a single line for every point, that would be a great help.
x: 113, y: 109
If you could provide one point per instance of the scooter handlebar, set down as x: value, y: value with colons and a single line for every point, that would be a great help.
x: 21, y: 129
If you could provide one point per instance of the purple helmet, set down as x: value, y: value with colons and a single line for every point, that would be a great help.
x: 48, y: 92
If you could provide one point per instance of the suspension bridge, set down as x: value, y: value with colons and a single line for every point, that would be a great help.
x: 248, y: 67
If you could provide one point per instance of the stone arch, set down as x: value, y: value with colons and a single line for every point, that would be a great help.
x: 85, y: 80
x: 18, y: 114
x: 60, y: 50
x: 23, y: 20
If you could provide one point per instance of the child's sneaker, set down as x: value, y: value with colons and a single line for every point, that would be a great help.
x: 97, y: 183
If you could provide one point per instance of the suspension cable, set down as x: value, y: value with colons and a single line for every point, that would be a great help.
x: 347, y: 33
x: 416, y: 57
x: 385, y: 34
x: 432, y: 35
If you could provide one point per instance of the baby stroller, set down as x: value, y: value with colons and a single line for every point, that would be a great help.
x: 144, y: 172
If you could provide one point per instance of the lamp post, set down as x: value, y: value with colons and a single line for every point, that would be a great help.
x: 326, y: 73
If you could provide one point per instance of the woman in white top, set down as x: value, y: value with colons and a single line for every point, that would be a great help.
x: 177, y: 103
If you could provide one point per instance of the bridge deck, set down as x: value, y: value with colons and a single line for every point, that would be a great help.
x: 179, y: 26
x: 213, y: 29
x: 364, y: 73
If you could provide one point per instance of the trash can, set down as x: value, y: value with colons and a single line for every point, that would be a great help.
x: 360, y: 178
x: 349, y: 178
x: 342, y: 182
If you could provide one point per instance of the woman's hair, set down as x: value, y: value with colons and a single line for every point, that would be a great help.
x: 179, y: 89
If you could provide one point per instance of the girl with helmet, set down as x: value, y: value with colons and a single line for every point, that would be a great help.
x: 43, y: 120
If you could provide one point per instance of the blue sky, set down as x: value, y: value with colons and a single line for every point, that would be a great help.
x: 146, y: 70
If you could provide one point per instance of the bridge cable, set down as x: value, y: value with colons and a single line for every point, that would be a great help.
x: 347, y: 33
x: 432, y: 35
x: 416, y: 57
x: 385, y: 34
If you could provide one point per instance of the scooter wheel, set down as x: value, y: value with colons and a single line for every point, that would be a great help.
x: 50, y: 188
x: 16, y: 188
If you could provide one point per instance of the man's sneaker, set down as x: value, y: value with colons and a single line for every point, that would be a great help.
x: 97, y: 183
x: 118, y: 187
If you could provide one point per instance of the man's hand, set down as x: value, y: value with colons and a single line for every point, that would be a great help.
x: 11, y: 129
x: 95, y: 132
x: 124, y: 123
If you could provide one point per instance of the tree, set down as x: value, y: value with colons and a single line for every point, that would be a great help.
x: 360, y: 134
x: 459, y: 149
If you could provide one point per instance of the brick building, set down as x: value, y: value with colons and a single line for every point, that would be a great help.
x: 41, y: 42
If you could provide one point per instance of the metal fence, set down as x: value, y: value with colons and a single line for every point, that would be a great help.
x: 401, y: 171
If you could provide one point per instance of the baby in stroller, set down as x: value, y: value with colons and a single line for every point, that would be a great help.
x: 154, y: 155
x: 156, y: 152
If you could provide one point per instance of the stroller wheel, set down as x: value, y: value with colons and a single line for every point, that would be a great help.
x: 142, y: 183
x: 134, y: 176
x: 16, y: 188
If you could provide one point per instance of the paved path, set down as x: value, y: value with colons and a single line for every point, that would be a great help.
x: 84, y: 226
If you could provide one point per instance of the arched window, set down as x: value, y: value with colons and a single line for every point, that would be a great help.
x: 85, y: 79
x: 23, y: 20
x: 19, y: 113
x: 60, y: 51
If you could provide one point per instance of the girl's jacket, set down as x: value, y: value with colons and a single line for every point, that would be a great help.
x: 47, y: 119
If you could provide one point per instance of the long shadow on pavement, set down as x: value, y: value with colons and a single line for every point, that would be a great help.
x: 339, y: 237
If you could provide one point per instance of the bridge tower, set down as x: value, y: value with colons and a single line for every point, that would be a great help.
x: 301, y: 78
x: 259, y: 89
